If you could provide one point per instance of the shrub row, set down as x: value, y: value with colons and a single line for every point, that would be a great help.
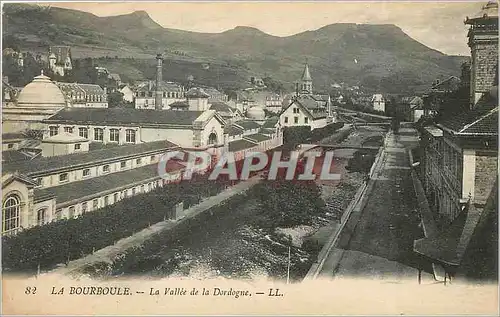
x: 66, y: 240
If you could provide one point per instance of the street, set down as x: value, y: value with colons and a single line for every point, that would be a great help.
x: 380, y: 246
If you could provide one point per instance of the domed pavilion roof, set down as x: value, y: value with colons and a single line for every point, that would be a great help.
x: 41, y: 92
x: 256, y: 113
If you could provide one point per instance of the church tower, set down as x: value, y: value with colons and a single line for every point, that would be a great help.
x: 483, y: 42
x: 306, y: 84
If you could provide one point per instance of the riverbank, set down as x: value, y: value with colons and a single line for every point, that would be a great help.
x: 235, y: 242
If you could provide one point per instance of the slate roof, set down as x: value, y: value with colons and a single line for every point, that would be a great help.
x: 179, y: 104
x: 196, y: 93
x: 313, y: 110
x: 257, y: 137
x: 118, y: 116
x: 239, y: 145
x: 12, y: 136
x: 42, y: 165
x: 164, y: 86
x: 248, y: 124
x: 450, y: 84
x: 13, y: 156
x: 482, y: 120
x: 94, y: 186
x: 220, y: 106
x: 232, y: 130
x: 270, y: 123
x: 267, y: 131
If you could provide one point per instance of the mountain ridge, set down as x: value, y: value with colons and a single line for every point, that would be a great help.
x: 371, y: 55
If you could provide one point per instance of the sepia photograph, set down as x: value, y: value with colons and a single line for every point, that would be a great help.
x: 253, y: 157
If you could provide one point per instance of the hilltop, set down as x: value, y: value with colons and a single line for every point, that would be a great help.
x: 380, y: 57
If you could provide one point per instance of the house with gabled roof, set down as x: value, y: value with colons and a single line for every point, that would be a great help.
x: 303, y: 112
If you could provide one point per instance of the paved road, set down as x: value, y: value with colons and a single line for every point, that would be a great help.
x: 381, y: 244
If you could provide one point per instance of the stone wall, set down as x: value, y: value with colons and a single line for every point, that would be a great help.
x: 486, y: 174
x: 485, y: 66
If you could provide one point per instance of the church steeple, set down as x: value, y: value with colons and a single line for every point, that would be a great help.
x: 306, y: 85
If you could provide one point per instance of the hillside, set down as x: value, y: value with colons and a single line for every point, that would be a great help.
x: 380, y: 57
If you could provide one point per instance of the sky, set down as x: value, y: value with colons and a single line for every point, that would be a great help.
x: 438, y: 25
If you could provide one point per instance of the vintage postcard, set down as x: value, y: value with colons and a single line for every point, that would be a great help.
x: 249, y: 158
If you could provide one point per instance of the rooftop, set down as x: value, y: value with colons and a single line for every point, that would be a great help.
x: 481, y: 121
x: 258, y: 137
x: 239, y: 145
x: 41, y: 165
x: 91, y: 187
x: 247, y: 124
x: 118, y: 116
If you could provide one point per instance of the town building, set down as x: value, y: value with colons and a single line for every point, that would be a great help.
x: 60, y: 61
x: 84, y: 95
x: 303, y: 111
x: 215, y: 95
x: 378, y: 102
x: 170, y: 92
x: 54, y: 187
x: 128, y: 93
x: 306, y: 108
x: 274, y: 103
x: 188, y: 129
x: 459, y: 164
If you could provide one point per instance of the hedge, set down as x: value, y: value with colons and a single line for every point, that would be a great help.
x: 66, y: 240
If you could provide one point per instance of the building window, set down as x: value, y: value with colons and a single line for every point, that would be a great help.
x: 295, y: 120
x: 114, y: 135
x: 306, y: 120
x: 295, y: 110
x: 133, y: 191
x: 95, y: 204
x: 11, y: 213
x: 153, y: 158
x: 40, y: 216
x: 124, y: 194
x: 130, y: 136
x: 86, y: 172
x: 286, y: 119
x: 63, y: 177
x: 78, y: 146
x: 68, y: 129
x: 98, y: 134
x: 116, y: 197
x: 106, y: 201
x: 142, y: 189
x: 71, y: 212
x: 53, y: 131
x: 84, y: 207
x: 138, y: 161
x: 105, y: 169
x: 123, y: 164
x: 83, y: 132
x: 10, y: 145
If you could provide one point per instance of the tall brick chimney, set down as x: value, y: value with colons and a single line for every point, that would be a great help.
x: 158, y: 92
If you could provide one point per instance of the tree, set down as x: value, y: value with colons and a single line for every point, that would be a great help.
x: 115, y: 100
x: 290, y: 203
